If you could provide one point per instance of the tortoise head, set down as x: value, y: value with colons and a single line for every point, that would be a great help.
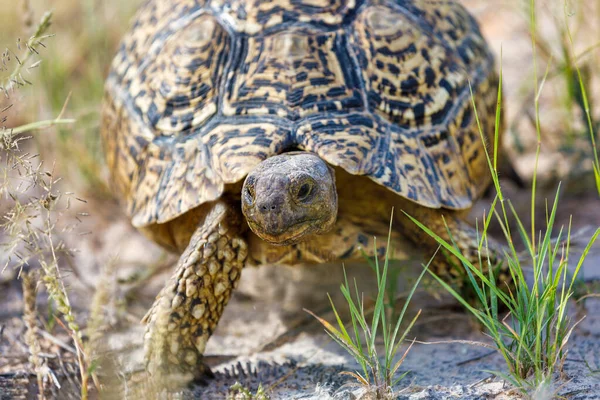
x: 289, y: 197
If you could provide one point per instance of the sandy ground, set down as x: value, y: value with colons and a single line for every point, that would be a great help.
x: 265, y: 337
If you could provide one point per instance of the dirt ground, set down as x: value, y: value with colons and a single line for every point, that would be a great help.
x: 265, y: 338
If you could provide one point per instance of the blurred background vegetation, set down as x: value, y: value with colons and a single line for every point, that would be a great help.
x: 74, y: 64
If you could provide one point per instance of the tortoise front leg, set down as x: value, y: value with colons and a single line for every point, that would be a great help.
x: 188, y: 308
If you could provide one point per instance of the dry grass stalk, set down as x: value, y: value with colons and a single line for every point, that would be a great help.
x: 29, y: 284
x: 98, y: 321
x: 54, y: 283
x: 16, y: 78
x: 100, y: 302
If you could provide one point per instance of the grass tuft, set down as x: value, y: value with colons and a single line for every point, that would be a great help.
x: 378, y: 372
x: 238, y: 392
x: 533, y: 336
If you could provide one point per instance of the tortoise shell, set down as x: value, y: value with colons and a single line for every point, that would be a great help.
x: 200, y: 92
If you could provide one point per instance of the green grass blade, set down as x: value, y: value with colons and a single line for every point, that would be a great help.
x: 390, y: 354
x: 38, y: 125
x: 454, y: 251
x: 353, y: 317
x: 379, y: 313
x: 342, y: 331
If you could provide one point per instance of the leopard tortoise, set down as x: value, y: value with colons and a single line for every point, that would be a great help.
x: 305, y: 121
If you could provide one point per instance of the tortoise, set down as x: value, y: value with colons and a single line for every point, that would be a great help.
x: 248, y: 132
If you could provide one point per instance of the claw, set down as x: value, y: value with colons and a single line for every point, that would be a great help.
x: 203, y: 375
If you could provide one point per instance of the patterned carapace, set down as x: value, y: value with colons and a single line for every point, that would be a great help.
x: 202, y: 91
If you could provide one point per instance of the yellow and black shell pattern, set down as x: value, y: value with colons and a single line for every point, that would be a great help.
x: 200, y: 92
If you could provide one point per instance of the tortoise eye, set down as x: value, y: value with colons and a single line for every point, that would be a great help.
x: 304, y: 191
x: 249, y: 195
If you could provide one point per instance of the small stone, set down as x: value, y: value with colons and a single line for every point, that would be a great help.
x: 213, y: 237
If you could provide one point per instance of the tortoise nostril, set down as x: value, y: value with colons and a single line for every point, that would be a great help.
x: 270, y: 206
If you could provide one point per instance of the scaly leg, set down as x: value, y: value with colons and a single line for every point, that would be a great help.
x: 188, y: 308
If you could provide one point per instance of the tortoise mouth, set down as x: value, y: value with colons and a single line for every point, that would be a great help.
x: 291, y: 235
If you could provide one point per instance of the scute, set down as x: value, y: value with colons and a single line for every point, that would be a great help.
x: 201, y: 92
x: 292, y: 74
x: 393, y: 157
x: 456, y: 28
x: 411, y: 78
x: 255, y: 16
x: 154, y: 22
x: 182, y: 88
